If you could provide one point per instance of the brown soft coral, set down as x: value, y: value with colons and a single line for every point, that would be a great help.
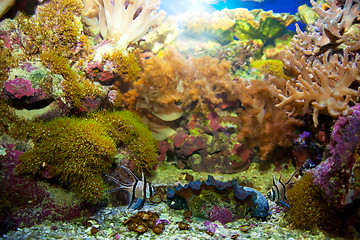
x: 260, y: 123
x: 172, y: 82
x: 323, y: 63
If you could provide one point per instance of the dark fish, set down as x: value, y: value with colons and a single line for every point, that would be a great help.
x: 140, y: 189
x: 309, y: 164
x: 277, y: 193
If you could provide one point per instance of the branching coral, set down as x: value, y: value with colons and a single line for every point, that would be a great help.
x: 332, y: 27
x: 323, y: 64
x: 325, y: 86
x: 126, y: 21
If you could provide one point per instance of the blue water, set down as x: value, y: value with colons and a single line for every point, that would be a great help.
x: 289, y: 6
x: 176, y: 7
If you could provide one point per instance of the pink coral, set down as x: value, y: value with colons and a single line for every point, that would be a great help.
x: 19, y: 87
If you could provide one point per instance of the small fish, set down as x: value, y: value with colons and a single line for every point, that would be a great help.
x: 277, y: 193
x: 140, y: 189
x: 309, y: 164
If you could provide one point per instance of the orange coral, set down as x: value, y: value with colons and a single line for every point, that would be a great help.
x: 260, y: 123
x: 174, y: 79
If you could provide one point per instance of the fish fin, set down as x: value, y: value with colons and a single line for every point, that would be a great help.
x: 114, y: 190
x: 131, y: 200
x: 292, y: 175
x: 274, y: 180
x: 281, y: 172
x: 282, y: 202
x: 111, y: 178
x: 139, y: 203
x: 130, y: 172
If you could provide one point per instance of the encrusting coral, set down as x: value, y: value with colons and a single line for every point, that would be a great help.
x: 125, y: 21
x: 323, y: 63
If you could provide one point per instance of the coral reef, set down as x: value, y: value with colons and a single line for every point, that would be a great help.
x: 118, y: 69
x: 338, y: 174
x: 81, y: 94
x: 55, y: 37
x: 323, y: 63
x: 55, y: 27
x: 32, y: 84
x: 239, y: 53
x: 160, y: 37
x: 210, y: 146
x: 125, y: 21
x: 228, y: 197
x: 240, y: 23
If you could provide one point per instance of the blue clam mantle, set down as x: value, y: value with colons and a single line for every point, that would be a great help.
x: 259, y: 206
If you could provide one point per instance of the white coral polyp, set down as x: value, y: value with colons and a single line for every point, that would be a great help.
x: 126, y: 21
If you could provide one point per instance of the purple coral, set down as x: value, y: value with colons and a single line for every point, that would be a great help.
x: 19, y: 87
x: 223, y: 215
x: 336, y: 174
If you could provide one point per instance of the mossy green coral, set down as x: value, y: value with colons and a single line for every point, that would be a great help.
x: 56, y: 26
x: 125, y: 64
x: 77, y: 151
x: 127, y: 129
x: 76, y: 86
x: 308, y: 209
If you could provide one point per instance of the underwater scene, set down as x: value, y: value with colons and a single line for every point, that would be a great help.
x: 193, y: 119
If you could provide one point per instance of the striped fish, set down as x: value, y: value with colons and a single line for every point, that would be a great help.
x: 140, y: 189
x: 277, y: 193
